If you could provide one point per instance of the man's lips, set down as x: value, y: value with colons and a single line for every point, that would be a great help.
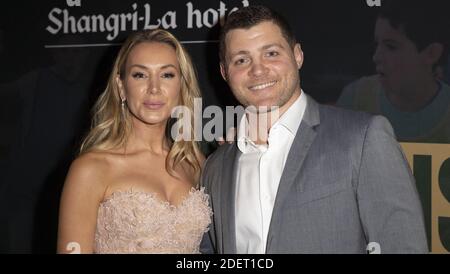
x: 262, y: 86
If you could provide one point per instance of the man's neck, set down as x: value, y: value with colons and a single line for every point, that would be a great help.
x: 260, y: 123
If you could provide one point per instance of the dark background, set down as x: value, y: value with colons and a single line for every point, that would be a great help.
x: 46, y: 93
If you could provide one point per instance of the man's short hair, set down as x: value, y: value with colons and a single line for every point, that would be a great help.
x: 423, y: 22
x: 248, y: 17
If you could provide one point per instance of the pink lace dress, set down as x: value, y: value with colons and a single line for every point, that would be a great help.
x: 139, y: 222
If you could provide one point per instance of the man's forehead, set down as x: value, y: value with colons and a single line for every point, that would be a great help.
x: 264, y: 26
x: 258, y: 36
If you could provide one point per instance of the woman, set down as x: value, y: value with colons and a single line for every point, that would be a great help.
x: 132, y: 189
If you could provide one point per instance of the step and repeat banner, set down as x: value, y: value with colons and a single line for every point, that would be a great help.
x: 56, y: 56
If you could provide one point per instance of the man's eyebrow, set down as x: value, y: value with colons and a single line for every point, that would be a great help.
x: 265, y: 47
x: 262, y: 48
x: 272, y: 45
x: 241, y: 52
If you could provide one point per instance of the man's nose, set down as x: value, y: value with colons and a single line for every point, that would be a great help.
x: 258, y: 69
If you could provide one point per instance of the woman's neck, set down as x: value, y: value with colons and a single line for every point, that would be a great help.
x: 148, y: 137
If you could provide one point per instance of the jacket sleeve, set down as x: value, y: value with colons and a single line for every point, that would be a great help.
x: 390, y: 209
x: 207, y: 245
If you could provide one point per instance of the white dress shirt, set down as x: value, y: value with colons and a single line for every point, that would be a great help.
x: 258, y: 175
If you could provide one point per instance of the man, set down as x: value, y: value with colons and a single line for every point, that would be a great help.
x: 324, y: 180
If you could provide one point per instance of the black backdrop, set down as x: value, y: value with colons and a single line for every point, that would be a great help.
x: 44, y: 68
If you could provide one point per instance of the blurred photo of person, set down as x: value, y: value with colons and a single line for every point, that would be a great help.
x: 411, y: 55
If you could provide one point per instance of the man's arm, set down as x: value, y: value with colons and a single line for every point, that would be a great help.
x: 390, y: 209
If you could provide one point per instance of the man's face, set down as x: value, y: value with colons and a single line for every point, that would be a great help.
x: 261, y: 67
x: 398, y: 62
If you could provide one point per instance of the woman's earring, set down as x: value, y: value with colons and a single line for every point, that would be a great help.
x: 123, y: 105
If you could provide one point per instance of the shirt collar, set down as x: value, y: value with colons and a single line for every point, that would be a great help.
x: 293, y: 116
x: 290, y: 120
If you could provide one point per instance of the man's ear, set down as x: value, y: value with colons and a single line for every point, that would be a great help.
x: 433, y: 52
x: 121, y: 90
x: 298, y: 54
x: 223, y: 71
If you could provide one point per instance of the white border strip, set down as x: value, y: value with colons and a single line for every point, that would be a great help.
x: 118, y: 44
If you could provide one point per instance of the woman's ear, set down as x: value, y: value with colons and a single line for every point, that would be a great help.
x: 121, y: 90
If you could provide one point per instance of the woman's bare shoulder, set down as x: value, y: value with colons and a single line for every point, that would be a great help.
x: 89, y: 171
x: 93, y: 163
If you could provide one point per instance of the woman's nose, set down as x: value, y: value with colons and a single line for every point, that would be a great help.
x: 153, y: 85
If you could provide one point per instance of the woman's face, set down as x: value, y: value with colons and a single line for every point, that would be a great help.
x: 152, y: 81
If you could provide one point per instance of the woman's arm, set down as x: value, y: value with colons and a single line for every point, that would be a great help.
x: 83, y: 191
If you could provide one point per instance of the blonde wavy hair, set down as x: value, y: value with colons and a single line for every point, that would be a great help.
x: 111, y: 126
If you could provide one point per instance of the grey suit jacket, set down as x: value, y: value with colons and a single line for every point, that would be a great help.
x: 345, y: 184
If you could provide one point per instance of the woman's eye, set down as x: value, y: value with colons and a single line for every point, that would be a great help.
x: 168, y: 75
x: 138, y: 75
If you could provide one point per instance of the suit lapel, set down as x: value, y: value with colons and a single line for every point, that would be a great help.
x: 297, y: 154
x: 228, y: 189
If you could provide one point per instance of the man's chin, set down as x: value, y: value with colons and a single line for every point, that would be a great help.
x: 262, y: 108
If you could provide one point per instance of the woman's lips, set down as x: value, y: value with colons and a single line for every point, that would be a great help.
x: 154, y: 105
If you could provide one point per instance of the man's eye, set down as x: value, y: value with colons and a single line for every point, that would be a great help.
x: 240, y: 61
x: 138, y: 75
x: 272, y: 53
